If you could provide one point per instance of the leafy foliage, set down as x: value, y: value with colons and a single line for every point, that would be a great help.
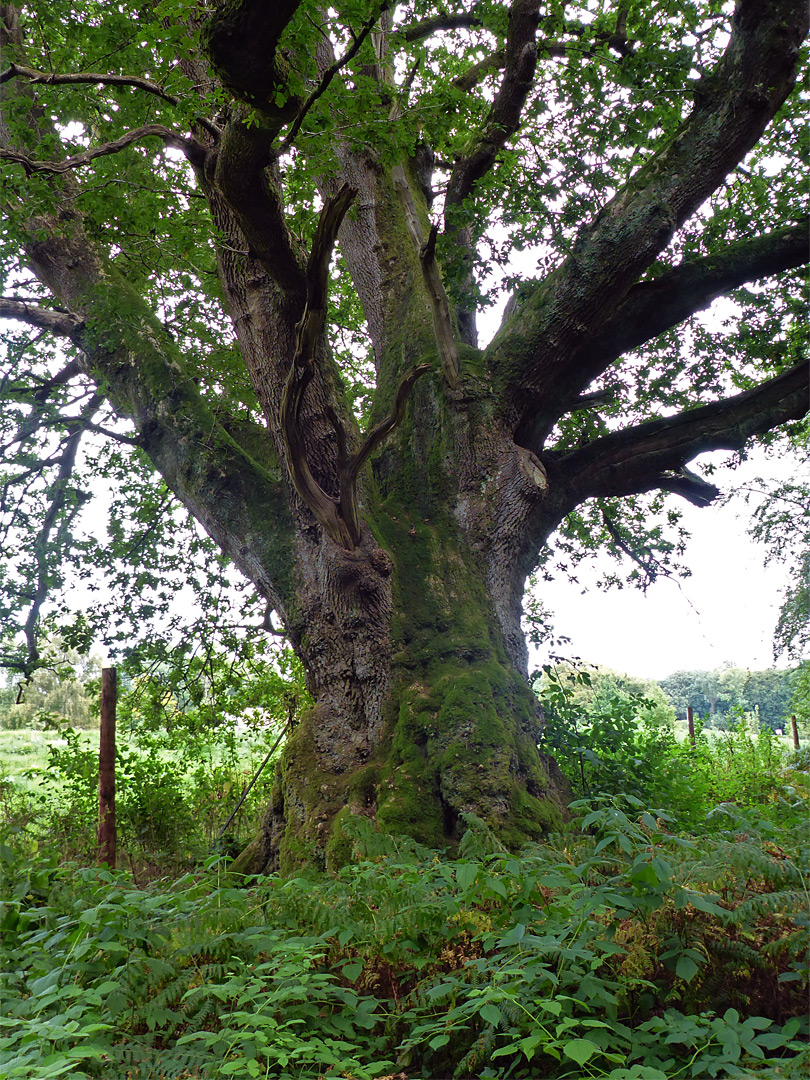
x: 781, y: 522
x: 626, y: 947
x: 622, y: 947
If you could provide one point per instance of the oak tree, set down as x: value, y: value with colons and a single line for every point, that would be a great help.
x: 263, y: 235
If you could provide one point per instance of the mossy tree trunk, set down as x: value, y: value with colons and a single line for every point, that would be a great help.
x: 396, y: 556
x: 421, y: 712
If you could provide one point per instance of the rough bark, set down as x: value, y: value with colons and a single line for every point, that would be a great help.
x: 397, y: 561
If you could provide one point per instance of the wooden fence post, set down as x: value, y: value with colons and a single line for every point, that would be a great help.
x: 794, y: 732
x: 106, y: 769
x: 690, y: 723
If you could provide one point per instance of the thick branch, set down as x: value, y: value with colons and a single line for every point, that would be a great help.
x: 496, y: 61
x: 733, y: 107
x: 325, y: 509
x: 419, y: 31
x: 56, y: 322
x: 237, y: 496
x: 247, y: 176
x: 656, y: 305
x: 190, y: 147
x: 504, y: 116
x: 654, y: 454
x: 241, y: 40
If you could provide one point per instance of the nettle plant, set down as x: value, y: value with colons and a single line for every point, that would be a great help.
x: 622, y: 951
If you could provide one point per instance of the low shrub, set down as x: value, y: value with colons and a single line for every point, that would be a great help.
x: 620, y: 949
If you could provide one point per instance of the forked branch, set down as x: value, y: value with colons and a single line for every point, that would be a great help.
x: 64, y: 503
x: 654, y: 454
x: 349, y: 466
x: 339, y: 517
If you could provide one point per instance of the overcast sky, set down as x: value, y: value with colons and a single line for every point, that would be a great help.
x: 725, y: 612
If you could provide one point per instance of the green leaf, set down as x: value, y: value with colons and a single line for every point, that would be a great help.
x: 231, y: 1067
x: 491, y: 1014
x: 686, y: 968
x: 497, y: 886
x: 438, y: 1041
x: 580, y: 1050
x: 513, y: 936
x: 466, y: 874
x: 703, y: 903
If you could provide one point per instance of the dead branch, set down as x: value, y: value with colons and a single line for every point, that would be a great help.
x: 43, y: 318
x: 440, y: 307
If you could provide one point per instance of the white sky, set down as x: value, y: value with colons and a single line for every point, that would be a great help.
x: 725, y: 612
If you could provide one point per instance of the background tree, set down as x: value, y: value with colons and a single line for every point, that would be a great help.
x: 781, y: 522
x: 59, y: 688
x: 230, y: 216
x: 596, y: 689
x: 717, y: 694
x: 700, y: 689
x: 768, y: 694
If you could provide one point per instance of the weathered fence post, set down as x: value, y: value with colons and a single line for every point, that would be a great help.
x: 794, y: 732
x: 106, y: 769
x: 690, y: 723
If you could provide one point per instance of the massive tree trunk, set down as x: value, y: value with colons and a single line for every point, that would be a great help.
x: 397, y: 557
x: 421, y: 715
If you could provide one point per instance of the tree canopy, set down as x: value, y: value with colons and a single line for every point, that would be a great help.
x: 250, y: 243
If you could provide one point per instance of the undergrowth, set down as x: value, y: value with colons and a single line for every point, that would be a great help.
x: 620, y: 950
x: 662, y: 935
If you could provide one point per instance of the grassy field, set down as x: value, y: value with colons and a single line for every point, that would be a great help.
x: 25, y: 751
x: 171, y: 803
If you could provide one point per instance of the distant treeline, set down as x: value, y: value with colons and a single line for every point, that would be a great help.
x: 69, y: 688
x: 722, y: 694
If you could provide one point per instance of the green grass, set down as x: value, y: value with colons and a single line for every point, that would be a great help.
x: 172, y: 799
x: 26, y: 749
